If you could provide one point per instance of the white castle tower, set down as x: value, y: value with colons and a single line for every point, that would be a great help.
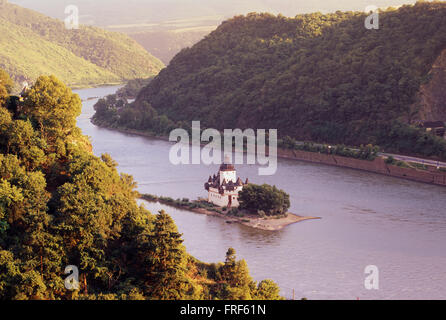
x: 224, y: 187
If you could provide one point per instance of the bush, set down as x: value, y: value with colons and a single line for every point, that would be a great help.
x: 390, y: 160
x: 368, y: 152
x: 233, y: 212
x: 149, y: 197
x: 418, y: 166
x: 264, y: 198
x: 261, y: 213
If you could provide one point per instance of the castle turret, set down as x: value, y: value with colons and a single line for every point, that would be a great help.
x: 224, y: 187
x: 227, y: 171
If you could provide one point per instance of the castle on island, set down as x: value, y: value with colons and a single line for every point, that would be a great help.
x: 223, y: 188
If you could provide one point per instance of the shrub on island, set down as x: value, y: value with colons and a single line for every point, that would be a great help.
x: 265, y: 199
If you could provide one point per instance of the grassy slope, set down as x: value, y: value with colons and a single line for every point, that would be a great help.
x: 24, y: 54
x: 32, y: 44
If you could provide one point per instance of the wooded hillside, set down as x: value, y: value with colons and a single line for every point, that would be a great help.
x: 314, y: 77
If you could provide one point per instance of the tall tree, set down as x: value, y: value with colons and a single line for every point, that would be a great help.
x: 166, y: 261
x: 238, y: 284
x: 53, y: 107
x: 6, y: 81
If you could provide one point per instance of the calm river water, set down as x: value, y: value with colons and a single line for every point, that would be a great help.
x: 367, y: 219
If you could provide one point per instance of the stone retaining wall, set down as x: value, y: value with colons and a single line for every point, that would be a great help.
x: 377, y: 166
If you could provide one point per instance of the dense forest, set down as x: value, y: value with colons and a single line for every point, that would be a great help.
x: 315, y: 77
x: 60, y: 205
x: 32, y: 44
x: 132, y: 88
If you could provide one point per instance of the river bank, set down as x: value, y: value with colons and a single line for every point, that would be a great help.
x: 379, y: 166
x: 431, y: 175
x: 254, y: 221
x: 367, y: 218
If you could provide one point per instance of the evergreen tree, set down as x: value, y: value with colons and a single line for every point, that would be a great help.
x: 166, y: 261
x: 238, y: 284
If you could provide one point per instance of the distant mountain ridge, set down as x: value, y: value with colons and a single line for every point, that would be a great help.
x: 166, y: 44
x: 32, y: 44
x: 108, y: 12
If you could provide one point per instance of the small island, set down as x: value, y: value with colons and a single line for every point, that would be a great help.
x: 262, y: 207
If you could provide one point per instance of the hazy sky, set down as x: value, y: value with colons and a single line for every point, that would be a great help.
x: 108, y: 12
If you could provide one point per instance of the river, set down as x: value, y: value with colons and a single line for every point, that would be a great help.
x: 367, y: 219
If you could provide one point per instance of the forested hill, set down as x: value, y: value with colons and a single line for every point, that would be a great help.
x: 60, y: 205
x: 32, y: 44
x: 316, y: 77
